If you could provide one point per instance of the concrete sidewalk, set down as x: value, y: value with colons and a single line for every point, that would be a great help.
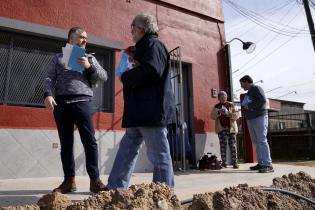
x: 28, y: 191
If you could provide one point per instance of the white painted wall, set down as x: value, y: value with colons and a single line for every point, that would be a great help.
x: 29, y: 153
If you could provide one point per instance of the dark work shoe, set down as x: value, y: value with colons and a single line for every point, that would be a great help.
x: 68, y: 185
x: 97, y: 186
x: 236, y: 166
x: 223, y: 165
x: 255, y: 168
x: 266, y: 169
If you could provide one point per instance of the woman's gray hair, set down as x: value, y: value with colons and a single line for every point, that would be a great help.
x: 147, y: 22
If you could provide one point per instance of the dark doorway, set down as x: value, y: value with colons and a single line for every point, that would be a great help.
x: 180, y: 132
x: 189, y: 107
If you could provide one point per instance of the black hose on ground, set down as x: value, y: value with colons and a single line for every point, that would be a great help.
x: 187, y: 201
x: 288, y: 193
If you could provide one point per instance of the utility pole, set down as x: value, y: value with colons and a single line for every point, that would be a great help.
x: 309, y: 21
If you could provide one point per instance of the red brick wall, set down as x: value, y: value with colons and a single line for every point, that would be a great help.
x: 196, y: 32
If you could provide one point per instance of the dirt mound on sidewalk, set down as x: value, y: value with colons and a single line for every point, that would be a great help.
x: 54, y: 201
x: 252, y: 198
x: 160, y: 197
x: 244, y: 197
x: 26, y: 207
x: 300, y: 183
x: 137, y: 197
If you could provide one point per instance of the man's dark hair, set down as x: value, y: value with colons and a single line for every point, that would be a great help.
x: 75, y: 30
x: 247, y: 79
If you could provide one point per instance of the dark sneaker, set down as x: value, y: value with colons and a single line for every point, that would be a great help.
x: 255, y: 168
x: 68, y: 185
x: 97, y: 186
x: 266, y: 169
x: 223, y: 165
x: 236, y: 166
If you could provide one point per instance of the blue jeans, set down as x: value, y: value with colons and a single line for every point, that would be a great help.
x: 158, y: 153
x: 258, y: 128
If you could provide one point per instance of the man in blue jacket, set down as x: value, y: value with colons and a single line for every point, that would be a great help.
x: 68, y: 94
x: 257, y: 121
x: 148, y: 107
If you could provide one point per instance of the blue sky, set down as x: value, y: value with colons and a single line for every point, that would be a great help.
x: 285, y: 63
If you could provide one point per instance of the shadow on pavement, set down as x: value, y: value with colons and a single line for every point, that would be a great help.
x: 15, y: 200
x: 223, y: 171
x: 24, y: 192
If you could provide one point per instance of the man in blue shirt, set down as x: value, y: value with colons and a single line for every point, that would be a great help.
x: 257, y: 121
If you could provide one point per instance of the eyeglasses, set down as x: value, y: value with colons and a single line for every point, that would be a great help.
x: 83, y: 37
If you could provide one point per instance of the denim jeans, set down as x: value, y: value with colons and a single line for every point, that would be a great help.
x: 258, y: 128
x: 158, y: 153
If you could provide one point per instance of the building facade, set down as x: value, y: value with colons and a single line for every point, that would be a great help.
x: 32, y: 31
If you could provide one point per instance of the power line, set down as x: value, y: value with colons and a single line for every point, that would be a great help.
x: 274, y: 38
x: 287, y: 94
x: 273, y: 89
x: 266, y: 23
x: 265, y: 57
x: 262, y: 19
x: 267, y: 11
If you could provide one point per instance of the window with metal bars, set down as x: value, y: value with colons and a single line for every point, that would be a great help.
x: 23, y: 63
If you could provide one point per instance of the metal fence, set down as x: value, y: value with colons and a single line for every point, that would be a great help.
x: 177, y: 130
x: 291, y: 121
x: 23, y: 65
x: 292, y: 136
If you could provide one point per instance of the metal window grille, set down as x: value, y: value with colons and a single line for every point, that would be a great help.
x: 23, y: 64
x: 179, y: 151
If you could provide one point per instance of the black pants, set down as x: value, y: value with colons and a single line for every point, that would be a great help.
x: 79, y: 114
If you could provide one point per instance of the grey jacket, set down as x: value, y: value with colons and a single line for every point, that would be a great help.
x: 257, y: 106
x: 62, y: 82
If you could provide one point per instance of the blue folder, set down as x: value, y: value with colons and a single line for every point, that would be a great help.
x: 77, y: 52
x: 245, y: 101
x: 123, y: 65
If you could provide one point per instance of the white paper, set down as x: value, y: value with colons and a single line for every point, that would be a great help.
x: 66, y: 52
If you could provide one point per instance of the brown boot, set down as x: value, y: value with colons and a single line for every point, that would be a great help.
x: 68, y: 185
x: 97, y: 186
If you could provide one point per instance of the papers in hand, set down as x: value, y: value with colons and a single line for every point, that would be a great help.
x: 225, y: 110
x: 124, y: 65
x: 71, y: 54
x: 245, y: 101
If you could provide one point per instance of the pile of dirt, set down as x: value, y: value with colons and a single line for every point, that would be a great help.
x: 244, y: 197
x: 137, y: 197
x: 250, y: 198
x: 300, y: 183
x: 26, y: 207
x: 160, y: 197
x: 54, y: 201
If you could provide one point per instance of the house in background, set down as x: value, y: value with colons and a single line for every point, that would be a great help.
x: 291, y: 131
x: 31, y: 32
x: 290, y: 114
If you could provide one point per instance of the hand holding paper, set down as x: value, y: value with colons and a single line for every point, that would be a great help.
x: 246, y: 101
x: 71, y: 54
x: 125, y: 64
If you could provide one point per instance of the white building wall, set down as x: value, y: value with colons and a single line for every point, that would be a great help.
x: 30, y: 153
